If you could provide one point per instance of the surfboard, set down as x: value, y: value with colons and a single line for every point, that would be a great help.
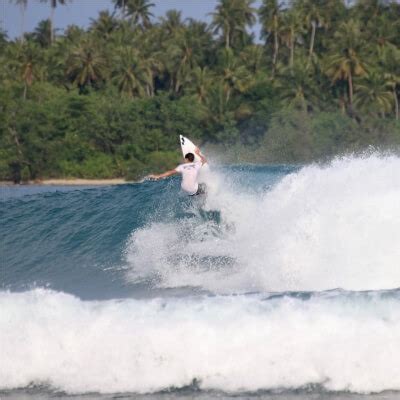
x: 188, y: 146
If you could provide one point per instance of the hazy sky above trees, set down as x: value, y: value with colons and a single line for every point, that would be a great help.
x: 79, y: 12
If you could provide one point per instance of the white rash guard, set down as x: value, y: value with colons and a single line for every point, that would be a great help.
x: 190, y: 172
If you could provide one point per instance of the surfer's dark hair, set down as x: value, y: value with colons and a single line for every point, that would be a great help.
x: 190, y: 157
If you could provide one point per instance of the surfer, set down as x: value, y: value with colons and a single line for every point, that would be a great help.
x: 190, y: 173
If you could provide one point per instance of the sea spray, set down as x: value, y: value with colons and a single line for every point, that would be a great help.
x: 322, y: 227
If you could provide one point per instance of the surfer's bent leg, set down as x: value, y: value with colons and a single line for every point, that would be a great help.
x: 201, y: 190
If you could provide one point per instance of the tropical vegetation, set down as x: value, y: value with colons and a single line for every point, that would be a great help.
x: 109, y: 100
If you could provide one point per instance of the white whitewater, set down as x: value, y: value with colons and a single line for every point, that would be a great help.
x: 339, y: 341
x: 324, y: 227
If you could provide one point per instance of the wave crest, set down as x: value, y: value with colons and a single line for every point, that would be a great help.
x: 320, y: 228
x: 340, y: 341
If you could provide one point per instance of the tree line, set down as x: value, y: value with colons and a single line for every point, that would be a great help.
x: 109, y: 100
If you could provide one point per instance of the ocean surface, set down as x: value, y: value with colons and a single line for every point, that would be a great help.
x: 282, y: 284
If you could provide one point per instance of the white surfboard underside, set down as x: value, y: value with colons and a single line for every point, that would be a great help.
x: 188, y: 146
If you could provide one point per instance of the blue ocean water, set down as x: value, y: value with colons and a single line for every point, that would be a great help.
x: 282, y: 283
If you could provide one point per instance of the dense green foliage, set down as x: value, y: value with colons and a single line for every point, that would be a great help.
x: 109, y: 101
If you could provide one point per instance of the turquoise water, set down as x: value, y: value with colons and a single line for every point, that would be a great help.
x: 282, y: 283
x: 73, y: 239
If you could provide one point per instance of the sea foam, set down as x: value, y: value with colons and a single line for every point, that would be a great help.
x: 323, y: 227
x: 337, y: 340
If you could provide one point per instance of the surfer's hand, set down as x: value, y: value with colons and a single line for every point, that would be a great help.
x: 202, y: 158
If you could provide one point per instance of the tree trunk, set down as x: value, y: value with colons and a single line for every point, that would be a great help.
x: 16, y: 172
x: 311, y: 51
x: 350, y: 81
x: 51, y: 25
x: 228, y: 95
x: 25, y: 91
x: 342, y: 103
x: 227, y: 39
x: 149, y: 90
x: 22, y: 23
x: 14, y: 135
x: 276, y: 48
x: 16, y: 165
x: 396, y: 104
x: 291, y: 49
x: 276, y: 42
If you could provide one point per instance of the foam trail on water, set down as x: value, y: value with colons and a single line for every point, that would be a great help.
x: 341, y: 341
x: 323, y: 227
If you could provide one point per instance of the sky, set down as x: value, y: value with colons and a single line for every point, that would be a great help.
x: 80, y: 12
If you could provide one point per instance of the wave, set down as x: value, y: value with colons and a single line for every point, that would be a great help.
x: 260, y: 229
x: 318, y: 228
x: 337, y: 340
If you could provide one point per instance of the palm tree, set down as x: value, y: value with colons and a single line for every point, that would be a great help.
x: 28, y: 58
x: 235, y: 76
x: 217, y: 108
x: 393, y: 81
x: 42, y: 33
x: 172, y: 22
x: 270, y: 17
x: 3, y: 39
x: 180, y: 60
x: 73, y: 34
x: 298, y: 86
x: 253, y: 58
x: 232, y: 17
x: 139, y: 12
x: 121, y: 4
x: 122, y: 35
x: 373, y: 94
x: 86, y: 65
x: 202, y: 40
x: 383, y: 33
x: 132, y: 74
x: 104, y: 25
x: 345, y: 67
x: 201, y: 82
x: 222, y: 21
x: 247, y: 15
x: 313, y: 13
x: 346, y: 63
x: 22, y: 4
x: 391, y: 62
x: 368, y: 9
x: 53, y: 6
x: 184, y: 48
x: 333, y: 12
x: 291, y: 28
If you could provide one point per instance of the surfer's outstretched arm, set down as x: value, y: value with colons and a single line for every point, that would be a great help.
x: 202, y: 158
x: 164, y: 175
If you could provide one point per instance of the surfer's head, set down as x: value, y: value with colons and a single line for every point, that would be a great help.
x: 189, y: 157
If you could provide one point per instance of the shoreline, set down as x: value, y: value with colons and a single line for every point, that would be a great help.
x: 67, y: 182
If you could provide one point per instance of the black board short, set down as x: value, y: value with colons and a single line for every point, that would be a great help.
x: 201, y: 190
